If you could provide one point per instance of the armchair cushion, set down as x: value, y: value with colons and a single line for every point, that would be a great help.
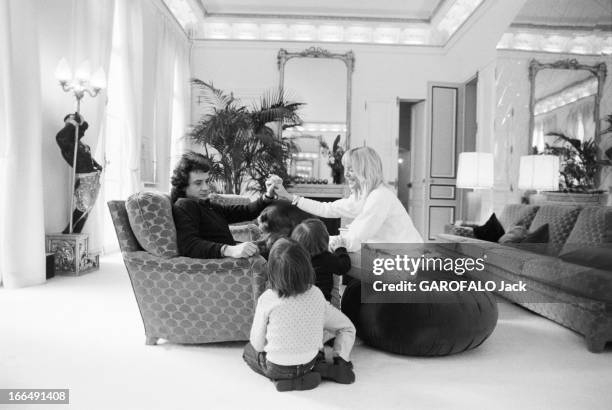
x: 150, y: 215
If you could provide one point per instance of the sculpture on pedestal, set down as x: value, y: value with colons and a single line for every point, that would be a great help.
x: 87, y: 170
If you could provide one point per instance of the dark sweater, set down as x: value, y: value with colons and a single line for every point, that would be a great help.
x: 327, y: 264
x: 202, y: 226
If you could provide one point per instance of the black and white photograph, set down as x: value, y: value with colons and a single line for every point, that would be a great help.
x: 265, y: 204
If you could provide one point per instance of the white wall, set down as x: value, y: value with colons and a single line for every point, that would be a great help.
x: 511, y: 116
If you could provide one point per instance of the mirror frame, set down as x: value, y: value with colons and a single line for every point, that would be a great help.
x: 598, y: 70
x: 318, y: 52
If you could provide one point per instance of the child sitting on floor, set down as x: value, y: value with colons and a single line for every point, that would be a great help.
x: 313, y: 236
x: 290, y: 318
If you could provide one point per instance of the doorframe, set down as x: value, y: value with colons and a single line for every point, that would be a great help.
x: 398, y: 101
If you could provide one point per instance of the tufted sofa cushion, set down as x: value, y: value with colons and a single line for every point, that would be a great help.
x: 591, y: 228
x: 560, y: 220
x: 150, y: 215
x: 517, y: 214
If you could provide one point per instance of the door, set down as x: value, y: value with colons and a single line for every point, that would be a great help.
x: 445, y: 138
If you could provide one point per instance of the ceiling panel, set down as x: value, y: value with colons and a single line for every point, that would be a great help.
x: 587, y: 13
x: 406, y: 9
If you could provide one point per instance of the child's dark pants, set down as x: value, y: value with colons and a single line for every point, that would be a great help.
x: 258, y: 362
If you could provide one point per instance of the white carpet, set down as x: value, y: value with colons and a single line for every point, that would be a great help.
x: 85, y: 334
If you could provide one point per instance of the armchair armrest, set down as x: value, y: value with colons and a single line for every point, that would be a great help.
x: 191, y: 273
x: 245, y: 233
x: 465, y: 231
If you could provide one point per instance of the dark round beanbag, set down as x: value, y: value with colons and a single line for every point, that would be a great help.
x: 433, y: 328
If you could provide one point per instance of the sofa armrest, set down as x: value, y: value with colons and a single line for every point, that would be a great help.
x: 465, y: 231
x: 245, y: 233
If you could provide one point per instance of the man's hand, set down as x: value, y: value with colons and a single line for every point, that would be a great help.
x: 270, y: 188
x: 243, y: 250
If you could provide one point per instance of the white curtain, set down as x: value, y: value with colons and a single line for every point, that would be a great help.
x: 128, y: 42
x: 181, y: 107
x: 22, y: 233
x: 164, y: 43
x: 91, y: 37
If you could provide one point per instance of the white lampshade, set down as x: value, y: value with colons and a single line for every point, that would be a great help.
x: 83, y: 72
x: 63, y: 72
x: 475, y: 170
x: 539, y: 172
x: 98, y: 79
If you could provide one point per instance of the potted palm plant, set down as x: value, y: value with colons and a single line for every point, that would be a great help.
x: 580, y: 170
x: 241, y: 141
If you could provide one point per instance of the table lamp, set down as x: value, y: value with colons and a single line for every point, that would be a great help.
x: 475, y: 171
x: 539, y: 173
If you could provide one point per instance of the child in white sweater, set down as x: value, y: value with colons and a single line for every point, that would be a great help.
x: 287, y: 332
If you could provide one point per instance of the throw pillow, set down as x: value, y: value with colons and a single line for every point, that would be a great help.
x: 527, y: 216
x: 536, y: 241
x: 150, y: 215
x: 598, y: 257
x: 540, y: 235
x: 515, y: 234
x: 560, y: 220
x: 491, y: 231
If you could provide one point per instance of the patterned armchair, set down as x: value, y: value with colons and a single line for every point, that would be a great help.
x: 186, y: 300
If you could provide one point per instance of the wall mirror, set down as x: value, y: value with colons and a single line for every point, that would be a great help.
x: 322, y: 81
x: 564, y: 97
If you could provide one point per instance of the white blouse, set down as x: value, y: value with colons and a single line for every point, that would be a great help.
x: 378, y: 218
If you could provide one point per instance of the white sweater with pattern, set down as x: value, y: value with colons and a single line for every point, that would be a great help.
x: 290, y: 329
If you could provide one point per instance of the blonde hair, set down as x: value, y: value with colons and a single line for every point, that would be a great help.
x: 367, y: 167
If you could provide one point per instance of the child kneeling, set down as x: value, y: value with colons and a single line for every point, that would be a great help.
x: 290, y: 318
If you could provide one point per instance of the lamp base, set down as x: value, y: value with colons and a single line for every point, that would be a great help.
x: 474, y: 206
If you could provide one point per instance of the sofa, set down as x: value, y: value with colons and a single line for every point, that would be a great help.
x: 568, y: 279
x: 185, y: 300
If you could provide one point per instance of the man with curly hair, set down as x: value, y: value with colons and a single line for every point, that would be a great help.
x: 201, y: 225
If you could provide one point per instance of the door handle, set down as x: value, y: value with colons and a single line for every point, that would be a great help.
x: 409, y: 185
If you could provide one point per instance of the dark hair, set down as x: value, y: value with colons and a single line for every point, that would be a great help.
x: 312, y: 235
x: 277, y: 221
x: 290, y: 272
x: 281, y: 217
x: 189, y: 162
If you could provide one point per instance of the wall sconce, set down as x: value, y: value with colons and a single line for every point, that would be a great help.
x: 539, y: 173
x: 82, y: 83
x: 475, y: 171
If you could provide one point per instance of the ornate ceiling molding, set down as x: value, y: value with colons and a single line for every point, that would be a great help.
x: 558, y: 41
x: 447, y: 18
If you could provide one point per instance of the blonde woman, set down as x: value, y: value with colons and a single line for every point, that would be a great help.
x: 379, y: 216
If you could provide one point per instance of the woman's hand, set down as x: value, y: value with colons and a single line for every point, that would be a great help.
x: 282, y: 192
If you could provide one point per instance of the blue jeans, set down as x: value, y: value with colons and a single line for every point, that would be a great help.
x: 258, y: 362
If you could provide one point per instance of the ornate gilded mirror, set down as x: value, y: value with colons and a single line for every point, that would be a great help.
x: 564, y: 97
x: 322, y: 81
